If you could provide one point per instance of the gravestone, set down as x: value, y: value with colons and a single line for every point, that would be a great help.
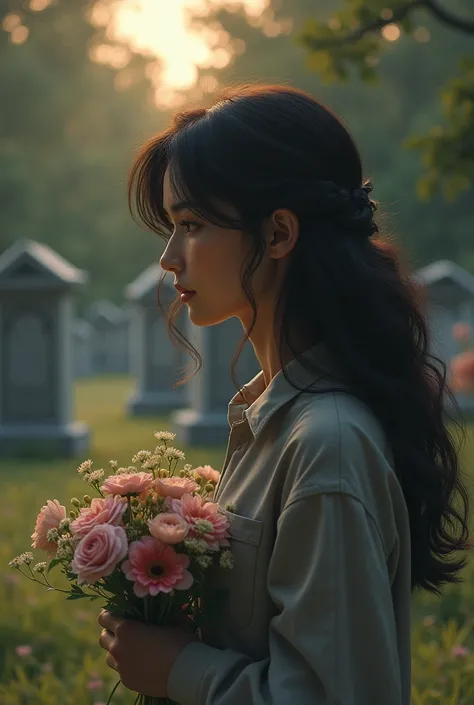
x: 204, y: 422
x: 82, y: 332
x: 449, y: 298
x: 156, y: 363
x: 110, y: 339
x: 36, y: 357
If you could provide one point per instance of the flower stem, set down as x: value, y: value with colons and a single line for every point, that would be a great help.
x: 45, y: 584
x: 112, y: 693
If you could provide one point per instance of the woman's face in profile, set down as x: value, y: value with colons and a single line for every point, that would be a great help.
x: 209, y: 260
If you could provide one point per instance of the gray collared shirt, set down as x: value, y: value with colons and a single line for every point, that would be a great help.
x: 316, y: 610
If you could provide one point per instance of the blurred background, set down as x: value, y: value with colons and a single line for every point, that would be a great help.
x: 82, y: 85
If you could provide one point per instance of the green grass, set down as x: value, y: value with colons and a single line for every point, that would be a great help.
x: 63, y: 635
x: 101, y: 403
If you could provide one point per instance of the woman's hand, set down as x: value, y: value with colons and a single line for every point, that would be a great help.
x: 142, y: 655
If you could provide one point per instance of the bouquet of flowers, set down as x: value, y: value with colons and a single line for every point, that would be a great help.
x: 143, y: 545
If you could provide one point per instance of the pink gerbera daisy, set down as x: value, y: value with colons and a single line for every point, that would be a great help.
x: 155, y: 567
x: 192, y: 509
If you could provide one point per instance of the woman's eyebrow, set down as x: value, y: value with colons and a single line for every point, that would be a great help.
x: 179, y: 206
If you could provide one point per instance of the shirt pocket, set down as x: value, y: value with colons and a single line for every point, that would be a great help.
x: 245, y: 537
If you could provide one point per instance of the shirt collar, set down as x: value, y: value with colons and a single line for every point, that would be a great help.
x: 264, y: 402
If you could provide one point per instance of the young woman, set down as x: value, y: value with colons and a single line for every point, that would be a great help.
x: 342, y: 474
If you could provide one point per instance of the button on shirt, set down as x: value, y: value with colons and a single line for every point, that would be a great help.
x: 316, y: 610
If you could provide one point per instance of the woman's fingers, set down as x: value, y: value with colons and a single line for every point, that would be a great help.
x: 106, y: 639
x: 111, y: 662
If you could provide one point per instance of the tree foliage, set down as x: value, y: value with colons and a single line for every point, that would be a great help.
x: 68, y: 129
x: 354, y: 38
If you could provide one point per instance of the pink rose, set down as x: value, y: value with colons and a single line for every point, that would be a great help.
x: 208, y: 473
x: 127, y: 484
x: 102, y: 511
x: 168, y: 527
x: 98, y: 553
x: 155, y: 567
x: 193, y: 508
x: 175, y: 486
x: 49, y: 517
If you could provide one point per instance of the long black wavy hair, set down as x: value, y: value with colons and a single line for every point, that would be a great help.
x: 264, y: 147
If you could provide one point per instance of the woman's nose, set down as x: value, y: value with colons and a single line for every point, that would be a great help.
x: 170, y: 263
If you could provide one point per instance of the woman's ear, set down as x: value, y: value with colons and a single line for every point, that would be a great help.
x: 281, y: 232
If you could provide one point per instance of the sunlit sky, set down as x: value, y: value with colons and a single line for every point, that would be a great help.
x: 163, y: 28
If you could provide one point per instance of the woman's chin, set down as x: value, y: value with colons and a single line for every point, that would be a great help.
x: 199, y: 318
x: 205, y: 319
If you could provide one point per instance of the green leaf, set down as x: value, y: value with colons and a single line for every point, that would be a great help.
x: 54, y: 563
x: 77, y: 596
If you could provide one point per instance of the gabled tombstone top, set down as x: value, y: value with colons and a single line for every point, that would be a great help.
x: 145, y: 286
x: 446, y: 282
x: 105, y: 312
x: 31, y: 265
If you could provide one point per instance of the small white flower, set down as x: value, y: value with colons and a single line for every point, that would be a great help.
x: 52, y: 535
x: 94, y: 476
x: 226, y: 560
x: 203, y: 526
x: 64, y: 524
x: 85, y: 467
x: 22, y: 559
x: 141, y: 456
x: 126, y: 471
x: 164, y: 436
x: 65, y: 551
x: 152, y: 462
x: 113, y: 464
x: 39, y: 567
x: 204, y: 561
x: 174, y: 454
x: 196, y: 546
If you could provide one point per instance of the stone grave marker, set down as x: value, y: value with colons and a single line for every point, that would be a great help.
x: 110, y: 339
x: 156, y: 363
x: 449, y: 299
x: 82, y: 332
x: 36, y: 355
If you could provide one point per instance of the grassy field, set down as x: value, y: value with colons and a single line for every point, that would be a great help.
x: 61, y: 663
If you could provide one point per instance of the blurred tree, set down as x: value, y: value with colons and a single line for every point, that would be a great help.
x: 354, y: 39
x: 74, y: 109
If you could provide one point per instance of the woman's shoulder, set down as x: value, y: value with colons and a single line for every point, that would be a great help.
x: 338, y: 422
x: 336, y: 444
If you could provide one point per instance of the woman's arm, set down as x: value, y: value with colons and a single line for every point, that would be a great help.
x: 335, y: 639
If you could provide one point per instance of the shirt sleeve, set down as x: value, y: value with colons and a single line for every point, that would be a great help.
x: 334, y: 640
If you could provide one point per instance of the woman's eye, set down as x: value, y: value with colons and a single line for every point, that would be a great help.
x: 189, y: 226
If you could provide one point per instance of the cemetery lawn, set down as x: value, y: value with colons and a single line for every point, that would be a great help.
x: 66, y: 665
